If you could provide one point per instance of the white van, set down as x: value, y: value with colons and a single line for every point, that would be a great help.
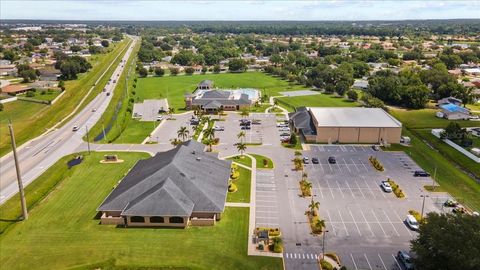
x: 412, y: 222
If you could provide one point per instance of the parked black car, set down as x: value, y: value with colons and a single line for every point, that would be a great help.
x: 315, y: 160
x: 421, y: 174
x: 332, y: 160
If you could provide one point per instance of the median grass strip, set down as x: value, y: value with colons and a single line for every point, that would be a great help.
x: 396, y: 189
x: 62, y: 232
x: 465, y: 189
x: 376, y: 163
x: 242, y: 183
x: 244, y: 160
x: 31, y: 120
x: 262, y: 161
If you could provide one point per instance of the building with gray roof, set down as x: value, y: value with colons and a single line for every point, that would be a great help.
x: 183, y: 186
x: 346, y: 125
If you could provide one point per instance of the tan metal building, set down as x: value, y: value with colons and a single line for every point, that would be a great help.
x: 352, y: 125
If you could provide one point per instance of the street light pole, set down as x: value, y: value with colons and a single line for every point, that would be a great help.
x: 323, y: 245
x: 88, y: 140
x: 434, y: 178
x: 19, y: 176
x: 423, y: 205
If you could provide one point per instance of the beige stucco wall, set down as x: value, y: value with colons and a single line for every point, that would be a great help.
x: 111, y: 220
x: 166, y: 223
x: 358, y: 135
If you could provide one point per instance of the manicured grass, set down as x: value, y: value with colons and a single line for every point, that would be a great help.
x: 454, y: 181
x: 174, y: 87
x: 322, y: 100
x: 48, y: 96
x: 260, y: 109
x: 434, y: 188
x: 449, y: 152
x: 242, y: 160
x: 118, y: 106
x: 136, y: 131
x: 243, y: 184
x: 259, y: 161
x: 425, y: 118
x: 62, y: 232
x: 35, y: 122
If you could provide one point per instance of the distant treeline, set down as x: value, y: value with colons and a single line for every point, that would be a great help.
x: 377, y: 28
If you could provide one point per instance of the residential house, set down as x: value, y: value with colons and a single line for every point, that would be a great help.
x: 454, y: 112
x: 15, y: 89
x: 449, y: 100
x: 181, y: 187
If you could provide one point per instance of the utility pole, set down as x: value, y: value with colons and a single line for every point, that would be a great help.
x: 323, y: 245
x: 434, y: 178
x: 88, y: 140
x: 19, y: 177
x: 104, y: 135
x: 423, y: 205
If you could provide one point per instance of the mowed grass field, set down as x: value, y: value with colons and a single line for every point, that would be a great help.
x: 31, y: 120
x: 322, y: 100
x: 62, y: 231
x: 174, y: 87
x: 243, y: 184
x: 425, y: 118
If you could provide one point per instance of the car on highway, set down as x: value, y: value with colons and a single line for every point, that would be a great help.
x: 421, y: 174
x: 104, y: 89
x: 114, y: 81
x: 386, y: 186
x: 108, y: 94
x: 315, y: 160
x: 332, y: 160
x: 412, y: 222
x: 75, y: 128
x: 406, y: 260
x: 306, y: 160
x: 94, y: 110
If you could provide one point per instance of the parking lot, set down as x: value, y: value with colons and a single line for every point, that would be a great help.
x: 167, y: 129
x: 365, y: 224
x: 266, y: 207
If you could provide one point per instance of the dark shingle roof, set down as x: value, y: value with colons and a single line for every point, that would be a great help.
x: 302, y: 120
x: 206, y: 83
x: 214, y: 94
x: 180, y: 181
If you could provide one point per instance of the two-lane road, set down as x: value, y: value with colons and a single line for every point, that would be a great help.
x: 37, y: 155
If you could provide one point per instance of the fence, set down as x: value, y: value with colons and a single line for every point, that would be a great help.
x: 437, y: 132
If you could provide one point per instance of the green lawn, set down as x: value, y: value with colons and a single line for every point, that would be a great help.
x: 174, y: 87
x: 242, y: 160
x: 136, y: 131
x: 31, y: 122
x: 48, y: 96
x: 425, y: 118
x: 457, y: 183
x: 243, y: 184
x: 321, y: 100
x: 259, y: 161
x: 449, y: 152
x: 62, y: 231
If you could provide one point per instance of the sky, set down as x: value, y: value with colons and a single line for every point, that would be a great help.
x: 238, y: 10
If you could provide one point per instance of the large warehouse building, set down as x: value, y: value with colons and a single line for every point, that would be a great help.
x: 346, y: 125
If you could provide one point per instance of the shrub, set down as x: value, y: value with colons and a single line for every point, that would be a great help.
x: 234, y: 175
x: 376, y: 164
x: 325, y: 265
x: 396, y: 189
x: 415, y: 214
x: 232, y: 187
x: 30, y: 94
x: 265, y: 162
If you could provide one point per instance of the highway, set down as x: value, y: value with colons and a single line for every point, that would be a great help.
x: 37, y: 155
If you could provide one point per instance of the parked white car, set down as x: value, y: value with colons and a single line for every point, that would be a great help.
x: 386, y: 186
x: 412, y: 222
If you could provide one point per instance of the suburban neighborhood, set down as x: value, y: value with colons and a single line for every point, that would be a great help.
x: 277, y: 143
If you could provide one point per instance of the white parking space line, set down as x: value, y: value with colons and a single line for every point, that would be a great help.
x: 378, y: 221
x: 348, y: 167
x: 353, y: 218
x: 340, y: 189
x: 360, y: 190
x: 391, y: 223
x: 399, y: 267
x: 330, y: 219
x: 353, y: 260
x: 400, y: 219
x: 333, y: 196
x: 369, y: 189
x: 369, y: 265
x: 383, y: 263
x: 368, y: 224
x: 320, y: 189
x: 351, y: 191
x: 344, y: 225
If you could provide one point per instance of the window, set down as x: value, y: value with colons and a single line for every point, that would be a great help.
x: 176, y: 219
x: 156, y: 220
x: 137, y: 219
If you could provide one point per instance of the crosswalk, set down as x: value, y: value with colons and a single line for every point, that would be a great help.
x: 301, y: 256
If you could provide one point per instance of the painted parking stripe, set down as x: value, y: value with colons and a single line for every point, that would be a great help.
x: 328, y: 185
x: 378, y: 221
x: 330, y: 219
x: 399, y: 267
x: 339, y: 188
x: 391, y: 223
x: 316, y: 256
x: 400, y: 219
x: 369, y: 265
x: 383, y: 263
x: 351, y: 191
x: 295, y: 255
x: 353, y: 260
x: 353, y: 218
x: 344, y: 225
x: 360, y: 190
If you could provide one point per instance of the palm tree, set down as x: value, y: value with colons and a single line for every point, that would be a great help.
x: 245, y: 113
x: 175, y: 142
x: 314, y: 206
x: 241, y: 147
x: 183, y: 132
x: 304, y: 176
x: 220, y: 112
x: 275, y: 103
x: 209, y: 142
x: 209, y: 133
x: 241, y: 136
x: 277, y: 240
x: 320, y: 223
x: 307, y: 185
x: 171, y: 110
x: 298, y: 153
